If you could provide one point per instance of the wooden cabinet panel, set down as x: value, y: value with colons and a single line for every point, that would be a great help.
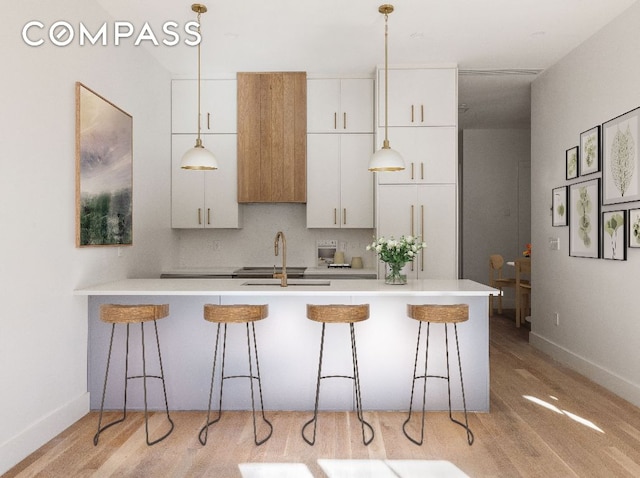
x: 272, y: 141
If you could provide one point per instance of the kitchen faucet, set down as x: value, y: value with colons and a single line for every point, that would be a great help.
x: 283, y: 274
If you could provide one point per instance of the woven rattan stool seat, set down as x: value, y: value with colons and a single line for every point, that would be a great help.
x: 444, y: 314
x: 235, y: 313
x: 130, y: 314
x: 339, y: 314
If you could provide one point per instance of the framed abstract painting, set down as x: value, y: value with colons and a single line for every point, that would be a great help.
x: 104, y: 171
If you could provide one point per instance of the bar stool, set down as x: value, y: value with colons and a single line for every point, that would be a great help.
x: 339, y: 314
x: 236, y: 314
x: 134, y: 314
x: 441, y: 314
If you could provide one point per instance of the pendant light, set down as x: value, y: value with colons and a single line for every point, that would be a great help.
x: 199, y: 157
x: 386, y: 159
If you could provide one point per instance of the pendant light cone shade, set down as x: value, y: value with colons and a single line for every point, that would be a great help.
x: 386, y: 159
x: 198, y: 157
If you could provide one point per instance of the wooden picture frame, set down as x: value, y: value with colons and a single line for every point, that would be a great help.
x: 584, y: 219
x: 590, y: 151
x: 633, y: 227
x: 104, y: 171
x: 614, y: 235
x: 560, y: 211
x: 620, y: 158
x: 572, y: 156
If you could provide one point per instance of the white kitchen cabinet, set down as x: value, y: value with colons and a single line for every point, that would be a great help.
x: 218, y: 106
x: 428, y: 211
x: 205, y: 199
x: 419, y: 97
x: 430, y: 155
x: 340, y: 105
x: 339, y: 185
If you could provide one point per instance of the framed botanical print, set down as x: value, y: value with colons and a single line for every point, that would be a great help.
x: 634, y: 228
x: 584, y: 217
x: 620, y: 153
x: 571, y: 156
x: 104, y: 171
x: 560, y: 212
x: 590, y: 151
x: 614, y: 243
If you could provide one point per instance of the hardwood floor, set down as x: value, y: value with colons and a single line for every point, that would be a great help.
x: 545, y: 421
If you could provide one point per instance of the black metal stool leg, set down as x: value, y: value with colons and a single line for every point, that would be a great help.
x: 314, y: 420
x: 104, y: 388
x: 464, y: 425
x: 251, y: 379
x: 424, y: 389
x: 164, y: 388
x: 204, y: 432
x: 358, y: 395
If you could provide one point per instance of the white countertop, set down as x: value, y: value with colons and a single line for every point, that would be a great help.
x: 337, y: 287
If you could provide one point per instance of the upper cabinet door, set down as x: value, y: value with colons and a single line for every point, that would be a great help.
x: 430, y: 155
x: 340, y: 105
x: 419, y: 97
x: 218, y: 111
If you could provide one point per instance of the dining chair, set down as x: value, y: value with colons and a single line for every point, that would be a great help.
x: 523, y: 288
x: 497, y: 281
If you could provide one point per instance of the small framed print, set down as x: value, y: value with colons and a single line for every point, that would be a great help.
x: 614, y: 244
x: 584, y: 219
x: 590, y: 151
x: 560, y: 212
x: 634, y: 228
x: 621, y: 159
x: 572, y: 156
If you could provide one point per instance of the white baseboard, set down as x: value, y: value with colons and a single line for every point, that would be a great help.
x: 609, y: 380
x: 40, y: 432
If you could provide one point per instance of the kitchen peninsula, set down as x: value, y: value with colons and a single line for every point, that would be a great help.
x: 288, y: 342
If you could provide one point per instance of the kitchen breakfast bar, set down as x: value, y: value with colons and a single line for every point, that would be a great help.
x: 288, y: 343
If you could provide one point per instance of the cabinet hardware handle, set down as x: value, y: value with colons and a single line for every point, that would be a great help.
x: 335, y: 120
x: 412, y: 113
x: 412, y: 171
x: 199, y: 216
x: 208, y: 120
x: 344, y: 120
x: 335, y: 216
x: 422, y: 113
x: 412, y: 219
x: 422, y: 236
x: 344, y: 216
x: 422, y: 170
x: 208, y: 215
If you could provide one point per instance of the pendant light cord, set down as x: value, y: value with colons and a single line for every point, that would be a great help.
x: 385, y: 144
x: 199, y: 141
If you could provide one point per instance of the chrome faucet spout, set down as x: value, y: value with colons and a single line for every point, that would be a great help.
x: 283, y: 274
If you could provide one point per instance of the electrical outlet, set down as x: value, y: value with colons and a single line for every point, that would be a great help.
x: 557, y: 315
x: 554, y: 243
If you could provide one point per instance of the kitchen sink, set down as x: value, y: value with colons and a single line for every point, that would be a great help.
x: 290, y: 282
x: 266, y: 272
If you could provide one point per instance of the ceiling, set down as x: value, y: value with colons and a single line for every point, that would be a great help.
x: 498, y: 45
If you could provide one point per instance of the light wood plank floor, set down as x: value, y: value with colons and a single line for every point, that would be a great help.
x: 545, y: 421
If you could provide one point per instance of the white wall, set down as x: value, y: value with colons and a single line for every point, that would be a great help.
x: 496, y: 213
x: 43, y: 327
x: 598, y: 333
